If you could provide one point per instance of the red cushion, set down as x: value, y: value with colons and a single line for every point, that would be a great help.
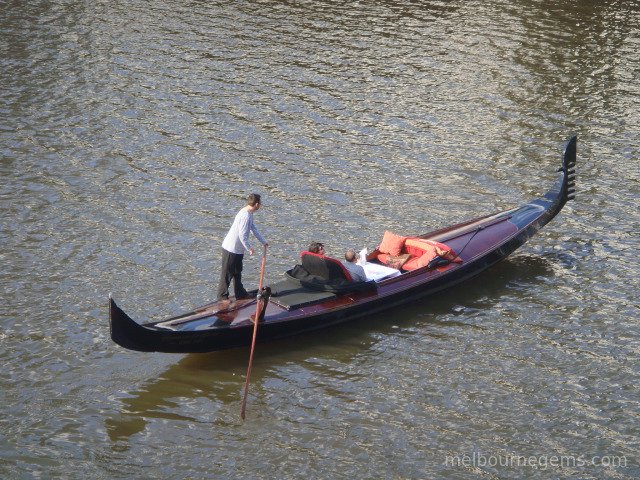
x: 426, y: 257
x: 382, y: 257
x: 413, y: 250
x: 392, y: 244
x: 427, y: 250
x: 412, y: 264
x: 440, y: 249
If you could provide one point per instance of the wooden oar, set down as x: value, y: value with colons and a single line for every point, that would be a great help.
x: 255, y: 333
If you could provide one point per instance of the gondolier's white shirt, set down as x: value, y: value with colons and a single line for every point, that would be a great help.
x: 237, y: 239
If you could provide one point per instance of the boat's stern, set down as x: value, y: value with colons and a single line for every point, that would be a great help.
x: 125, y: 331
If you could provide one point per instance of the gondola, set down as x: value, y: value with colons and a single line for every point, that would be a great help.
x: 298, y: 304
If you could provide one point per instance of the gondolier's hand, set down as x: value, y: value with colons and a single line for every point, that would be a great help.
x: 251, y: 251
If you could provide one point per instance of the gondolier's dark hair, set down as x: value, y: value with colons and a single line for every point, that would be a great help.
x: 253, y: 199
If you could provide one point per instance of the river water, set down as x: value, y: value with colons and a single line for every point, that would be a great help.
x: 130, y: 133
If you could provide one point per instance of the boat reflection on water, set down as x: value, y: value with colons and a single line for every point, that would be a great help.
x: 210, y: 384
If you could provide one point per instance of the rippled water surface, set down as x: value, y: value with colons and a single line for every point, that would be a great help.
x: 131, y: 131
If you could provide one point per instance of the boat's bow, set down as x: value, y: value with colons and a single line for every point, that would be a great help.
x: 564, y: 188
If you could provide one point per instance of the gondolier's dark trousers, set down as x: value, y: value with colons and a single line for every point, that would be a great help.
x: 231, y: 270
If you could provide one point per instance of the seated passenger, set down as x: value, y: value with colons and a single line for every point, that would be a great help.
x: 322, y: 273
x: 316, y: 247
x: 356, y: 271
x: 326, y: 268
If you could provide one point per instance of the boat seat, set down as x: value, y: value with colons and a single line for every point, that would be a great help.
x: 324, y: 267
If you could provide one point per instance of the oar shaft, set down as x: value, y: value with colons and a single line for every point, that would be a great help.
x: 255, y: 333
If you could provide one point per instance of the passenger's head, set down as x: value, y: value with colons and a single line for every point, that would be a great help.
x: 253, y: 199
x: 350, y: 256
x: 316, y: 247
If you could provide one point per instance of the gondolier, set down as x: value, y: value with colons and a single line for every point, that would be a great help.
x: 235, y: 244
